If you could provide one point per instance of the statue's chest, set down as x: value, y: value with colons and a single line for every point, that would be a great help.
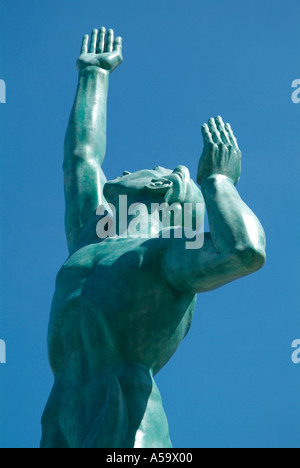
x: 121, y: 288
x: 125, y: 279
x: 118, y: 271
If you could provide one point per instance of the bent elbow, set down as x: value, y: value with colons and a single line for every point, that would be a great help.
x: 252, y: 258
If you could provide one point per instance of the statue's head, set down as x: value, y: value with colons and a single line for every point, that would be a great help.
x: 159, y: 185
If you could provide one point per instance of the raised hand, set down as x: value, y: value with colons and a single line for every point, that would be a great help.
x: 221, y: 154
x: 103, y: 50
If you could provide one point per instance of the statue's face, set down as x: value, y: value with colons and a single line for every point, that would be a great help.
x: 139, y: 185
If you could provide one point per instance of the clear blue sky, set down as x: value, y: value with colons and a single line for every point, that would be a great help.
x: 232, y: 382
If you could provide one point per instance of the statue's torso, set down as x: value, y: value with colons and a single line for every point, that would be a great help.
x: 112, y: 304
x: 115, y: 322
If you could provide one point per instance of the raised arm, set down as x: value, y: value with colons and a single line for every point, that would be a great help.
x: 235, y: 246
x: 85, y: 142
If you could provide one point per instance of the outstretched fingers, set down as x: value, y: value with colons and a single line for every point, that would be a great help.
x: 93, y: 43
x: 222, y: 130
x: 109, y: 41
x: 101, y: 41
x: 216, y: 136
x: 207, y: 136
x: 219, y: 133
x: 117, y: 47
x: 232, y: 138
x: 85, y: 44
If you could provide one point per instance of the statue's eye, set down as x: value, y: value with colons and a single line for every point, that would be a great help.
x: 161, y: 183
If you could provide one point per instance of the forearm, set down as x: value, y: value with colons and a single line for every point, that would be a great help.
x: 235, y: 246
x: 86, y: 133
x: 233, y: 226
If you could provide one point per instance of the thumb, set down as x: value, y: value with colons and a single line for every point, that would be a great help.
x: 118, y: 45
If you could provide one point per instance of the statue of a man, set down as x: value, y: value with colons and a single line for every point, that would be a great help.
x: 123, y: 304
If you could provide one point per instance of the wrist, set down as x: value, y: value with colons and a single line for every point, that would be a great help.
x: 214, y: 181
x: 93, y: 70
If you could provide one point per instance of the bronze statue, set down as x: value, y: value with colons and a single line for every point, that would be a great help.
x: 124, y: 302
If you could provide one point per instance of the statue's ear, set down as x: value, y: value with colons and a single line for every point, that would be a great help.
x: 159, y: 186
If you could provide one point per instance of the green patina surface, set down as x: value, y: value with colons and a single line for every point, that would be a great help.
x: 122, y: 305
